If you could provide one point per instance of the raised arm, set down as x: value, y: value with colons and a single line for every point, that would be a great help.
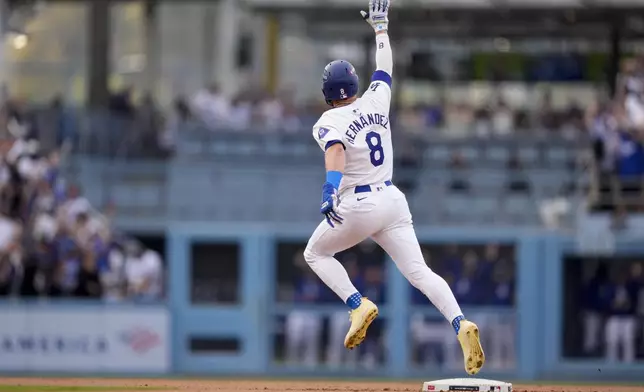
x: 378, y: 18
x: 384, y: 57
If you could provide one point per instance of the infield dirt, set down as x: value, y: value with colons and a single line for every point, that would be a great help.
x: 151, y: 385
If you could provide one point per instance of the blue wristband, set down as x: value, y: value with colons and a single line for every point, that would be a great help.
x: 334, y: 178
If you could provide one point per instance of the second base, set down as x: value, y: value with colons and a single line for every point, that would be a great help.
x: 466, y: 385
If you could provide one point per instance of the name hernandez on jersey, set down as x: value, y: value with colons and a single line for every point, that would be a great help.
x: 328, y: 135
x: 363, y: 122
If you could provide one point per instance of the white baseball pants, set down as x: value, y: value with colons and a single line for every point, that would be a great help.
x: 382, y: 214
x: 620, y: 333
x: 303, y: 332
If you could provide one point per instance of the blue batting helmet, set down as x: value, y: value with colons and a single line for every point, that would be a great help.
x: 339, y: 81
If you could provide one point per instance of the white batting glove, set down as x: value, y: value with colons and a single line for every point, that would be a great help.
x: 377, y: 15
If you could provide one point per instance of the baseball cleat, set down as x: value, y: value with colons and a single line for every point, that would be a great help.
x: 473, y: 354
x: 361, y: 318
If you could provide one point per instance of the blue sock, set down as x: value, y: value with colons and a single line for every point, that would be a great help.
x: 456, y: 323
x: 354, y: 300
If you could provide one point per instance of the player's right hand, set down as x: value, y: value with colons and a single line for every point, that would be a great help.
x: 377, y: 15
x: 330, y: 202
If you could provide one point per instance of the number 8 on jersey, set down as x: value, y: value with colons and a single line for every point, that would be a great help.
x: 377, y: 153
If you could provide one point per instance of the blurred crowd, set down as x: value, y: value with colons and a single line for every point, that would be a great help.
x: 139, y: 125
x: 480, y: 276
x: 612, y: 304
x: 53, y: 242
x: 495, y: 118
x: 277, y: 112
x: 211, y: 109
x: 617, y: 130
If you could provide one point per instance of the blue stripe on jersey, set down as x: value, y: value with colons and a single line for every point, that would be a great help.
x: 381, y: 76
x: 332, y: 142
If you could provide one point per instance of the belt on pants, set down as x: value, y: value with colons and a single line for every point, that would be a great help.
x: 367, y: 188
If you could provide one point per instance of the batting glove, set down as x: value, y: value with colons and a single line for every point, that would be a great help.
x: 377, y: 15
x: 330, y: 203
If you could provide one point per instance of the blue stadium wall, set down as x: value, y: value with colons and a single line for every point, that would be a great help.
x: 538, y: 310
x: 251, y: 322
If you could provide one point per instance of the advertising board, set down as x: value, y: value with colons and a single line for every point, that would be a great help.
x: 91, y: 339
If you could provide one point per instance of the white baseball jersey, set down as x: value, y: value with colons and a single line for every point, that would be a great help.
x: 363, y: 128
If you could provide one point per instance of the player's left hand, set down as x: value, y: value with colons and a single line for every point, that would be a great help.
x: 330, y: 202
x: 377, y: 15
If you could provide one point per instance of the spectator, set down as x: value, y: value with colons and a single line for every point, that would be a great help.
x: 459, y: 120
x: 149, y: 121
x: 410, y: 121
x: 89, y: 285
x: 621, y: 296
x: 491, y: 258
x: 517, y: 181
x: 52, y: 242
x: 483, y: 126
x: 502, y: 293
x: 633, y: 91
x: 434, y: 115
x: 458, y: 166
x: 74, y: 204
x: 211, y: 107
x: 241, y: 113
x: 56, y: 125
x: 17, y: 125
x: 7, y: 275
x: 547, y: 118
x: 9, y: 230
x: 271, y: 112
x: 66, y: 272
x: 500, y: 326
x: 120, y: 103
x: 594, y: 283
x: 291, y: 120
x: 630, y: 170
x: 574, y: 120
x: 143, y: 272
x: 304, y: 328
x: 467, y: 287
x: 112, y: 273
x: 502, y: 119
x: 180, y: 118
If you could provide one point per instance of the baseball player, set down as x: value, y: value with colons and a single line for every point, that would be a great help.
x: 360, y: 201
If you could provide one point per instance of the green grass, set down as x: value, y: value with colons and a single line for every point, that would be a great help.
x: 42, y: 388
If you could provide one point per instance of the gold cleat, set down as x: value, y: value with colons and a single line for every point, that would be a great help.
x: 361, y: 318
x: 473, y: 354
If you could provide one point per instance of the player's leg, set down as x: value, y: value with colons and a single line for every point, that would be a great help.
x: 324, y: 244
x: 400, y: 242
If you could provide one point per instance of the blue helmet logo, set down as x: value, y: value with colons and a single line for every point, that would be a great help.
x: 339, y: 81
